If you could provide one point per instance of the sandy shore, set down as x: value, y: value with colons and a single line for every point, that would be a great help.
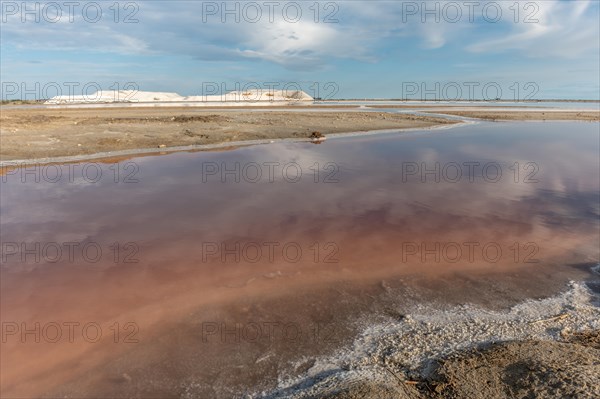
x: 44, y: 133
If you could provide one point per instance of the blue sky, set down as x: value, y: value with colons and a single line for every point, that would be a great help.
x: 366, y: 49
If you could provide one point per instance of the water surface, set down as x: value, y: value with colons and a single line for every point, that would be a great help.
x: 184, y: 239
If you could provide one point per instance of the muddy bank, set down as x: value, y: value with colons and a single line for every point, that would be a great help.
x: 45, y: 133
x: 523, y: 369
x: 546, y: 348
x: 518, y: 369
x: 537, y: 115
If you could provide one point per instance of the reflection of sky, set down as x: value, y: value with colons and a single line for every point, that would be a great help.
x: 368, y: 213
x: 171, y: 210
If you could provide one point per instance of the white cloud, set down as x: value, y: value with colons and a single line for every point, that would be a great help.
x: 565, y: 29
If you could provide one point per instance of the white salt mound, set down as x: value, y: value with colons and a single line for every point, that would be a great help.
x: 249, y: 97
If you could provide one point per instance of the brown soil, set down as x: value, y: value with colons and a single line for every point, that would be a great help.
x: 517, y: 369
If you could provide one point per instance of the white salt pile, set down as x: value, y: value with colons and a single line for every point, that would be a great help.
x: 250, y: 97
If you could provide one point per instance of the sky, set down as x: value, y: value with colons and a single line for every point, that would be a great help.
x: 440, y: 50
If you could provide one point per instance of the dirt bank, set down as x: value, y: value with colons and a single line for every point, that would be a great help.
x: 44, y: 133
x: 517, y: 369
x: 537, y: 115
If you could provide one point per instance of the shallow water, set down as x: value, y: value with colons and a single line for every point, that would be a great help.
x: 515, y: 104
x: 183, y: 239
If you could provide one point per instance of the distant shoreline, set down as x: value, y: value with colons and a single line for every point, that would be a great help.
x: 474, y: 101
x: 303, y: 103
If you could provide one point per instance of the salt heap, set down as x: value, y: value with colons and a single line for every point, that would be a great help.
x: 249, y: 97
